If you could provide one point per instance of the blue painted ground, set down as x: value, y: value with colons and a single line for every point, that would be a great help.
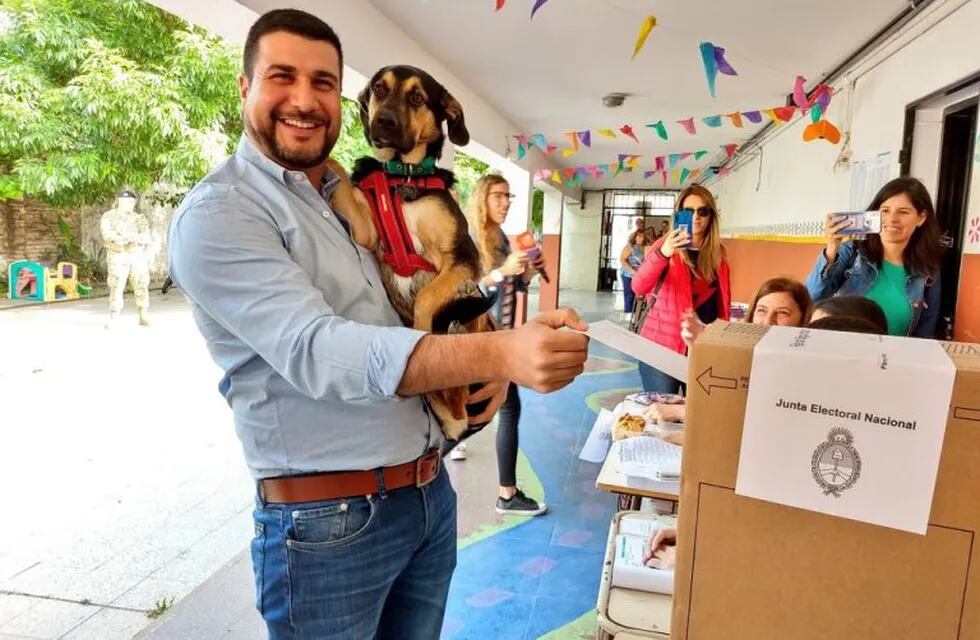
x: 543, y: 574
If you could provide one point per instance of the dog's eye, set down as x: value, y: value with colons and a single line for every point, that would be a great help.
x: 380, y: 90
x: 416, y: 99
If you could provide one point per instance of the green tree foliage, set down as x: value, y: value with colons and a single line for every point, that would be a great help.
x: 98, y: 95
x: 468, y: 171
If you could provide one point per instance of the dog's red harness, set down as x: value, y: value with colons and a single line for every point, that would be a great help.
x: 397, y: 247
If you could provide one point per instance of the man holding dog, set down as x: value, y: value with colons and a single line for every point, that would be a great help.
x: 355, y: 523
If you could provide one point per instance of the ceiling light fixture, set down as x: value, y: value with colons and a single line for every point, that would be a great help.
x: 613, y: 100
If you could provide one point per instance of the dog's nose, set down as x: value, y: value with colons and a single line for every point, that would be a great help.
x: 385, y: 120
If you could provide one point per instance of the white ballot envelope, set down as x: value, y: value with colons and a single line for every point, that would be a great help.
x: 658, y: 357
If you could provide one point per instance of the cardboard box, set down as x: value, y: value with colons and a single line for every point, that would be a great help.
x: 750, y: 569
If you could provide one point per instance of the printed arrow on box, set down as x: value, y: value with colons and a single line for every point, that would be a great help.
x: 966, y: 413
x: 709, y: 381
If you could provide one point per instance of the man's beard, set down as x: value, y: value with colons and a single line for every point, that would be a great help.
x: 265, y: 136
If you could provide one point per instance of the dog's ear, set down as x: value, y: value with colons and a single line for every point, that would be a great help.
x: 363, y: 99
x: 458, y: 133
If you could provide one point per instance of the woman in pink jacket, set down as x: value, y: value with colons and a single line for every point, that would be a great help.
x: 681, y: 273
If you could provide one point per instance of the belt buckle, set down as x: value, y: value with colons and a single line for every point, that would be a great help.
x: 432, y: 454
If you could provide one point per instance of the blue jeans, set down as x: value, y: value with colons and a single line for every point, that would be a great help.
x: 655, y: 380
x: 357, y: 568
x: 628, y: 295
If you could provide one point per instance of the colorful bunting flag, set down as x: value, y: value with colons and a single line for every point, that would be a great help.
x: 627, y: 130
x: 736, y: 119
x: 688, y: 124
x: 686, y: 155
x: 521, y: 151
x: 660, y: 163
x: 556, y: 177
x: 730, y: 150
x: 755, y: 117
x: 500, y: 4
x: 822, y: 96
x: 521, y: 138
x: 659, y: 127
x: 772, y: 116
x: 550, y: 149
x: 674, y: 158
x: 585, y: 137
x: 785, y: 113
x: 540, y: 141
x: 816, y: 113
x: 714, y: 62
x: 700, y: 154
x: 645, y: 30
x: 799, y: 94
x: 685, y: 174
x: 568, y: 152
x: 609, y: 133
x: 569, y: 171
x: 648, y: 174
x: 664, y: 175
x: 572, y: 139
x: 712, y: 121
x: 537, y: 5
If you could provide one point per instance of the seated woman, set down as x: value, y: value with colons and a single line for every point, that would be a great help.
x: 860, y: 307
x: 898, y: 268
x: 781, y: 301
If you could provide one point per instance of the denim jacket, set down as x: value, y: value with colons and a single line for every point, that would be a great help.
x: 852, y: 273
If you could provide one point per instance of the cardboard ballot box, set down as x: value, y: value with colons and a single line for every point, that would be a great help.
x: 756, y: 569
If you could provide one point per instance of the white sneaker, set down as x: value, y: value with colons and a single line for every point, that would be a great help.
x: 458, y: 452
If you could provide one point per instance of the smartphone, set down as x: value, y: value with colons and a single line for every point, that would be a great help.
x: 683, y: 219
x: 860, y: 223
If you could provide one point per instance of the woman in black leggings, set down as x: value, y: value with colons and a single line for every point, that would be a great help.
x: 506, y: 273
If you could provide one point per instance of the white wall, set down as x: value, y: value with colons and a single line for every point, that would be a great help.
x: 581, y: 236
x: 797, y: 182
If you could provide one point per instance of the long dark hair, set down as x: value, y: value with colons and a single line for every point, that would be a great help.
x: 923, y: 255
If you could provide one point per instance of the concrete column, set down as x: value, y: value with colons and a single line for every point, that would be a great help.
x: 548, y: 292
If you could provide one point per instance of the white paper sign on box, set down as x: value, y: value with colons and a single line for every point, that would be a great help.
x: 846, y: 424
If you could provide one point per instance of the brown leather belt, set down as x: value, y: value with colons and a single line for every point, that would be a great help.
x: 347, y: 484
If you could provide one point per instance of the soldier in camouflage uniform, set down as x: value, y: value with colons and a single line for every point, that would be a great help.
x: 126, y: 234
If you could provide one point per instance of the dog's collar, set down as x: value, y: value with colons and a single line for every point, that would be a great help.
x: 398, y: 168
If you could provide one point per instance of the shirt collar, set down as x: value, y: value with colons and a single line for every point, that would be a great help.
x: 250, y: 153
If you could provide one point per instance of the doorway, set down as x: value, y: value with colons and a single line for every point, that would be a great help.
x: 952, y: 194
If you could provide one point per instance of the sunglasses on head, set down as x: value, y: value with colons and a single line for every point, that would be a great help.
x: 701, y: 212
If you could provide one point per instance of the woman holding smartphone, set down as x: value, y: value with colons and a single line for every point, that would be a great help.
x: 685, y: 270
x: 898, y: 268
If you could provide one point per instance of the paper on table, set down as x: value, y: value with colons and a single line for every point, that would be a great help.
x: 658, y: 357
x: 649, y: 457
x: 629, y: 571
x: 597, y: 444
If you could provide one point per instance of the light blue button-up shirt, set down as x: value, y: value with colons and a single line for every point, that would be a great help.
x: 295, y: 314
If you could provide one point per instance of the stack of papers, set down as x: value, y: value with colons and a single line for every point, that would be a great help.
x: 629, y: 571
x: 649, y: 458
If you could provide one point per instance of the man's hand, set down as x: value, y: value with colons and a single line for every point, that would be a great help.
x: 662, y: 550
x: 496, y: 393
x: 541, y: 357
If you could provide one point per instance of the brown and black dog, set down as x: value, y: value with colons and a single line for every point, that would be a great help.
x: 403, y: 109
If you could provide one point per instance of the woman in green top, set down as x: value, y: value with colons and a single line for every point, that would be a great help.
x: 898, y: 268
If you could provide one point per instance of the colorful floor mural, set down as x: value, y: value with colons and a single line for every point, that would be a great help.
x: 532, y: 578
